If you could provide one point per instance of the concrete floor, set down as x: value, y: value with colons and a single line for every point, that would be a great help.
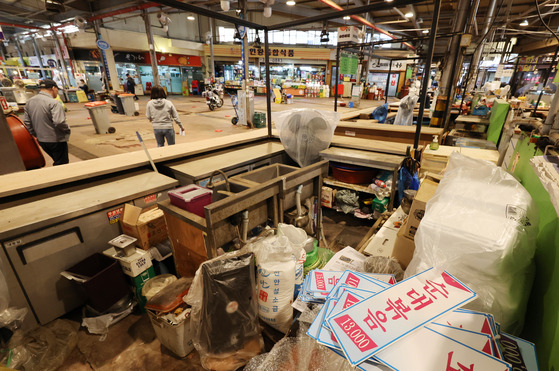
x: 131, y: 344
x: 199, y: 122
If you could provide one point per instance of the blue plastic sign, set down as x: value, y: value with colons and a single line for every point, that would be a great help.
x: 103, y: 45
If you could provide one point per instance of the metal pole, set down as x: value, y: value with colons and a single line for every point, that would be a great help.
x: 102, y: 57
x: 446, y: 116
x: 514, y: 78
x: 212, y: 62
x: 38, y: 54
x: 337, y: 79
x: 426, y: 73
x: 388, y: 81
x: 19, y: 54
x: 477, y: 55
x: 465, y: 84
x: 63, y: 63
x: 268, y: 83
x: 545, y: 79
x: 151, y: 44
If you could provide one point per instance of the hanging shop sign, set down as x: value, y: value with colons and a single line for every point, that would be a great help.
x: 168, y: 59
x: 274, y: 52
x: 348, y: 35
x: 130, y: 57
x: 348, y: 64
x: 384, y: 65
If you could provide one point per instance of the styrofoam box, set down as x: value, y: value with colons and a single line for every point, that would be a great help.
x: 175, y: 337
x: 132, y: 265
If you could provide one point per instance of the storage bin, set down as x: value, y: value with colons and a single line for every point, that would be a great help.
x: 105, y: 284
x: 352, y: 174
x: 175, y: 337
x: 191, y: 198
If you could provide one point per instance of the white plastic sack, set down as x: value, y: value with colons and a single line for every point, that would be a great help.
x: 405, y: 111
x: 304, y: 132
x: 276, y: 259
x: 481, y: 227
x: 298, y: 239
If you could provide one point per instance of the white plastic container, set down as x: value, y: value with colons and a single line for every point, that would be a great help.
x: 131, y: 265
x: 175, y: 337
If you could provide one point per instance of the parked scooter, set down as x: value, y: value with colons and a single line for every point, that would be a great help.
x: 213, y: 97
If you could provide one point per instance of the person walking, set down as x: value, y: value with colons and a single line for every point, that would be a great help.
x: 45, y: 119
x: 161, y: 112
x: 131, y: 85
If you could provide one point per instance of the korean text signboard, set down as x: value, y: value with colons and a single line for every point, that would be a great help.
x: 371, y: 325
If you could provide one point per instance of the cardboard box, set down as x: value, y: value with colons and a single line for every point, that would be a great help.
x: 131, y: 265
x: 327, y: 197
x: 383, y: 242
x: 403, y: 248
x: 417, y: 210
x: 147, y: 225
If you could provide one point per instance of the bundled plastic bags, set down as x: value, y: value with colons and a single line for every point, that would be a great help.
x: 405, y: 112
x: 481, y: 226
x: 224, y: 316
x: 305, y: 132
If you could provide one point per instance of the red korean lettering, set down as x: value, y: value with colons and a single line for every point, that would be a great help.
x: 421, y: 299
x: 263, y: 296
x: 433, y: 288
x: 461, y: 366
x: 332, y: 280
x: 352, y: 280
x: 350, y: 300
x: 398, y: 307
x: 374, y: 320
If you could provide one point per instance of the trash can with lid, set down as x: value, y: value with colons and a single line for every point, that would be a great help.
x: 170, y: 316
x: 100, y: 117
x: 128, y: 104
x: 118, y: 103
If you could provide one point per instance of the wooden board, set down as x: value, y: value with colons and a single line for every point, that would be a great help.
x: 90, y: 198
x: 472, y: 119
x: 189, y: 248
x: 16, y: 183
x: 370, y: 145
x: 196, y: 169
x: 362, y: 158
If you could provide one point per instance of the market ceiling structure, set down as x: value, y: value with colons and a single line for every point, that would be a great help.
x: 398, y: 18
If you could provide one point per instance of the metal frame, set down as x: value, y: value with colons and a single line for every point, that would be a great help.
x: 377, y: 5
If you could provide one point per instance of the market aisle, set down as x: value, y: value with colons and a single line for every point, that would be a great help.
x: 200, y: 124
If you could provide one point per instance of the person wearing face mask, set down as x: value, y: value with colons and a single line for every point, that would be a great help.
x: 45, y: 119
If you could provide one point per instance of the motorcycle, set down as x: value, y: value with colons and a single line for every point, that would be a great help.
x: 213, y: 97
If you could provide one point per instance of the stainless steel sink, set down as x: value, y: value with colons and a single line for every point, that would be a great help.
x: 221, y: 190
x: 265, y: 174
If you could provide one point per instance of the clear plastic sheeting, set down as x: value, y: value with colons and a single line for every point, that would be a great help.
x: 481, y: 227
x: 305, y: 132
x: 405, y: 111
x: 224, y: 316
x: 43, y: 349
x: 302, y: 353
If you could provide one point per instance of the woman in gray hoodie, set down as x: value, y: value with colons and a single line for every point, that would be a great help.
x: 161, y: 112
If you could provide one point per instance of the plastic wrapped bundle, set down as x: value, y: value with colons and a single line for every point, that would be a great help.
x: 305, y: 132
x: 405, y: 111
x: 224, y: 316
x: 481, y: 227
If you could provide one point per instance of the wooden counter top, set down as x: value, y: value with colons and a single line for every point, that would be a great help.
x: 16, y: 183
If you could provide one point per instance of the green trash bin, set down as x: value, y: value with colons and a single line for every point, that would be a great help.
x: 259, y: 120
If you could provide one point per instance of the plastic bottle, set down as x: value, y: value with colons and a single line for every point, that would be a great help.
x: 435, y: 143
x: 379, y: 183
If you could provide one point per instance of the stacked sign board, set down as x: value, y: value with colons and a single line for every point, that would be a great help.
x: 416, y: 324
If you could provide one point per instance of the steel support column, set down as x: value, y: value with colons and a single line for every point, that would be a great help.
x: 388, y: 82
x: 38, y: 54
x: 151, y: 45
x: 337, y: 79
x: 426, y: 73
x: 268, y: 83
